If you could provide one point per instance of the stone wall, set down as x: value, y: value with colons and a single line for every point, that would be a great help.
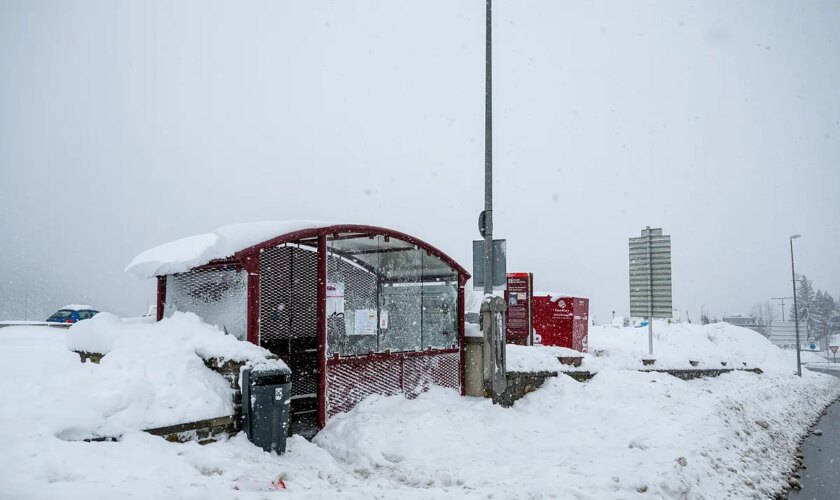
x: 521, y: 383
x: 203, y: 431
x: 692, y: 374
x: 230, y: 370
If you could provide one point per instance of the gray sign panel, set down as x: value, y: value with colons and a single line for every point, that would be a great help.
x: 499, y: 264
x: 650, y: 275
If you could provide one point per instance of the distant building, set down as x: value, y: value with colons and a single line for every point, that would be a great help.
x: 750, y: 322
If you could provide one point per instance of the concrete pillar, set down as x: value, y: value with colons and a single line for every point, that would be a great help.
x: 493, y: 327
x: 474, y: 367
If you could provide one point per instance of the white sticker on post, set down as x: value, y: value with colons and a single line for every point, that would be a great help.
x: 383, y: 320
x: 335, y: 298
x: 278, y: 394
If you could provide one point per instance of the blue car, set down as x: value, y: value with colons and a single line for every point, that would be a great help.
x: 72, y: 314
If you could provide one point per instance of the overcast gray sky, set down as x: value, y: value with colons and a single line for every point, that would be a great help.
x: 127, y: 124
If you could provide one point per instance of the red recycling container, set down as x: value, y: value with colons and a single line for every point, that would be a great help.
x: 562, y: 321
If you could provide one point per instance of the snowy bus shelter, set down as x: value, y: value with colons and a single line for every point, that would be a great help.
x: 353, y: 310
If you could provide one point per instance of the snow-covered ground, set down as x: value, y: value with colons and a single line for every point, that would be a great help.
x: 676, y: 346
x: 624, y: 434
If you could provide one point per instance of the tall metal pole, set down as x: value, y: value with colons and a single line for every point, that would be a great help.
x: 488, y: 156
x: 795, y: 308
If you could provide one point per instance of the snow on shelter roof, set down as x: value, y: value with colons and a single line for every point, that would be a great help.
x: 186, y: 253
x: 236, y: 241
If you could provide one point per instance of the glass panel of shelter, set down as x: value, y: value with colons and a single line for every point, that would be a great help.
x: 377, y: 301
x: 351, y: 296
x: 440, y: 304
x: 400, y: 300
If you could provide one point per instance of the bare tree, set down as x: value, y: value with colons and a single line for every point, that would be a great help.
x: 762, y: 312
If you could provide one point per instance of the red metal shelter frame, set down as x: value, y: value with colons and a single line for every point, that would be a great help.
x: 249, y: 260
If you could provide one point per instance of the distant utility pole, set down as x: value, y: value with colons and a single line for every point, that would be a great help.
x: 783, y: 299
x: 795, y: 309
x: 488, y: 154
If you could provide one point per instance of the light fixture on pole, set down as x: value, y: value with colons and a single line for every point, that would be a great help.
x: 795, y: 307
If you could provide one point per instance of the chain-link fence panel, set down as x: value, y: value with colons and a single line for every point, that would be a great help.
x: 352, y: 380
x: 218, y: 296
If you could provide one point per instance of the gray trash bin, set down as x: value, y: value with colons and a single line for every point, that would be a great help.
x: 265, y: 407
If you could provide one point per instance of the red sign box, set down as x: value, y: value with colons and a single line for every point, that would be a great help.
x: 562, y: 321
x: 520, y: 289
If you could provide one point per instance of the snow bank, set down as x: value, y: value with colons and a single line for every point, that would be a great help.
x: 59, y: 397
x: 621, y: 434
x: 182, y: 333
x: 540, y: 358
x: 812, y: 357
x: 186, y: 253
x: 23, y: 323
x: 531, y: 359
x: 152, y: 375
x: 674, y: 345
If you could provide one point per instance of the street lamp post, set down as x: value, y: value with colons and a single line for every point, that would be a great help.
x: 795, y: 308
x: 488, y: 152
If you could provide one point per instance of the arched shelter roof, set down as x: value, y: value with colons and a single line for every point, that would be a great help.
x: 242, y: 241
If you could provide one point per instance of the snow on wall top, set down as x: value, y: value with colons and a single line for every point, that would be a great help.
x: 184, y: 254
x: 557, y: 295
x: 182, y: 334
x: 474, y: 298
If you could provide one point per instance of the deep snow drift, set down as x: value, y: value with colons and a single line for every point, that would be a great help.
x: 182, y: 335
x: 676, y: 346
x: 153, y: 375
x: 624, y: 434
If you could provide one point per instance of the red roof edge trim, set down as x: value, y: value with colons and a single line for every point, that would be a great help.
x: 344, y: 228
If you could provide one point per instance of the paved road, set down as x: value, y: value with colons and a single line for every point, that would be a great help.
x: 821, y: 477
